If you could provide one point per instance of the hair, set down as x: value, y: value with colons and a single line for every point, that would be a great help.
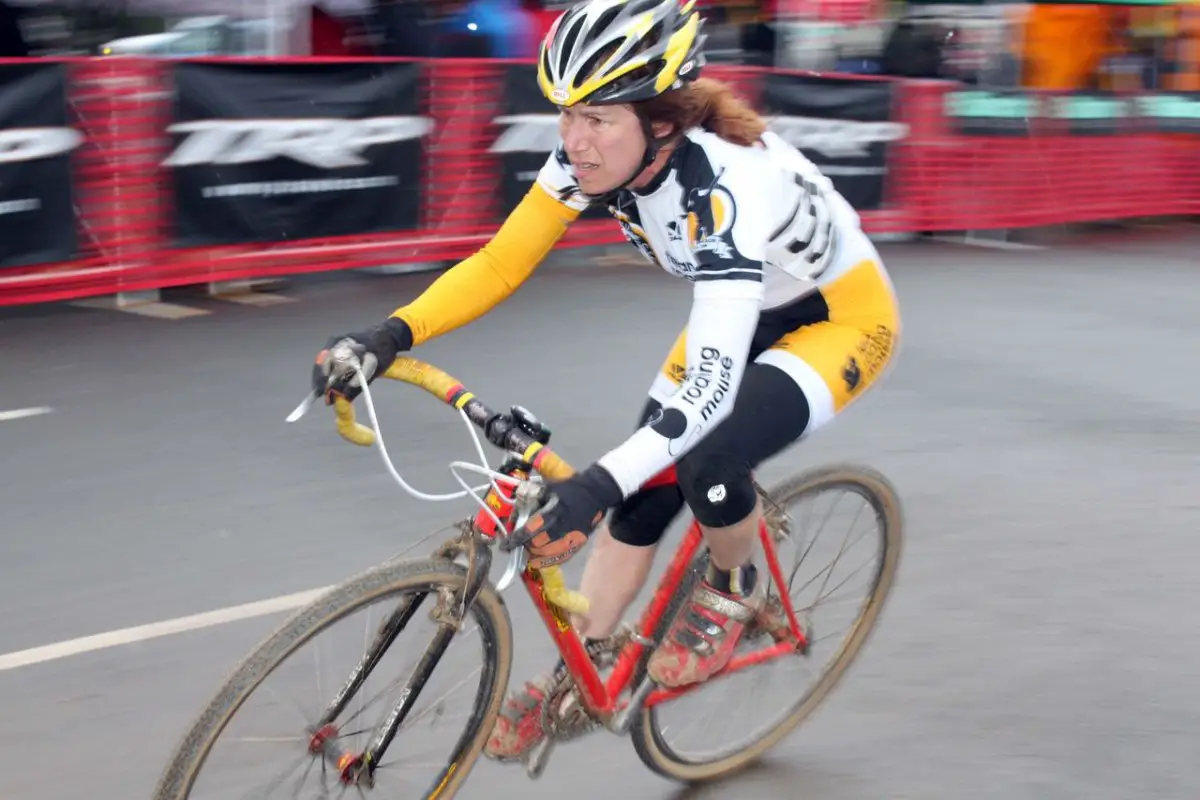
x: 709, y: 104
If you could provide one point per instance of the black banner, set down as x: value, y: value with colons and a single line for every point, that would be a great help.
x: 272, y: 152
x: 527, y: 132
x: 842, y: 125
x: 37, y: 217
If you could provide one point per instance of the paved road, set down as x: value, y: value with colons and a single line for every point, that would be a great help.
x: 1043, y: 425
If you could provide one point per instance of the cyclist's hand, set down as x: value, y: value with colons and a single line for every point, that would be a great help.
x: 562, y: 526
x: 375, y: 348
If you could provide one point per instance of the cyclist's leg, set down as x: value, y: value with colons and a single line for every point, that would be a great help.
x: 715, y: 477
x: 622, y: 552
x: 618, y: 560
x: 799, y: 384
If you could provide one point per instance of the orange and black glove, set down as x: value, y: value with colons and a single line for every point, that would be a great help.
x: 376, y: 349
x: 562, y: 526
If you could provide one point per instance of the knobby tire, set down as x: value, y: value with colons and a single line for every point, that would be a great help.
x: 399, y: 577
x: 645, y: 732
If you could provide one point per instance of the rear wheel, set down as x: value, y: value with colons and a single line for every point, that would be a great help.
x: 649, y: 731
x: 432, y: 586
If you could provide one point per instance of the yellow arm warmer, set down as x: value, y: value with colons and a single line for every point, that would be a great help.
x: 479, y: 283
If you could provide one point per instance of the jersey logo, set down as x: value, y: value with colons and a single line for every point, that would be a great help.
x: 717, y: 201
x: 636, y: 236
x: 851, y: 374
x: 721, y: 205
x: 697, y: 195
x: 722, y: 211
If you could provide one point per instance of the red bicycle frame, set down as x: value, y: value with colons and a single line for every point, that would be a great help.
x: 601, y: 697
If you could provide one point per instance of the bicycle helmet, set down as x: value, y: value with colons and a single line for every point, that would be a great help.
x: 604, y: 52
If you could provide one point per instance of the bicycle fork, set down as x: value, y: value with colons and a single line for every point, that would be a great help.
x: 449, y: 613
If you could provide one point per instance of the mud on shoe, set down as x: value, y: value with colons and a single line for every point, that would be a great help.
x: 703, y: 638
x: 518, y: 727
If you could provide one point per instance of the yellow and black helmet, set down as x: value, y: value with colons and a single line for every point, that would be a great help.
x: 604, y: 52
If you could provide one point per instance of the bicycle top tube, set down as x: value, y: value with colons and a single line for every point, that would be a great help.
x: 498, y: 428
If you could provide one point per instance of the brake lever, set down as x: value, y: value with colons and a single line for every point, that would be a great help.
x: 303, y: 408
x: 345, y: 361
x: 515, y: 566
x: 527, y: 498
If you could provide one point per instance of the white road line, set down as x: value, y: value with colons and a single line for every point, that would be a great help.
x: 21, y: 413
x: 141, y: 633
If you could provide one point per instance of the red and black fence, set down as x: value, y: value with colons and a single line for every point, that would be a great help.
x: 127, y: 174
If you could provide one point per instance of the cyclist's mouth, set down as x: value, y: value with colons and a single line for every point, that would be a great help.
x: 585, y: 166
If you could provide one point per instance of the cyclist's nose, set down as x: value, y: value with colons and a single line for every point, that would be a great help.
x: 575, y: 137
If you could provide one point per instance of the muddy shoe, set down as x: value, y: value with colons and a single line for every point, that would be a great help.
x: 704, y: 636
x: 519, y: 725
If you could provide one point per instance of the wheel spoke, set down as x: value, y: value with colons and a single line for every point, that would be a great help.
x: 212, y: 756
x: 793, y: 696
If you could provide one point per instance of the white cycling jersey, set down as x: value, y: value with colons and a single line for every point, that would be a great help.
x: 757, y: 230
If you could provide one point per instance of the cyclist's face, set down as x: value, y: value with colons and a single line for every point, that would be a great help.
x: 605, y: 145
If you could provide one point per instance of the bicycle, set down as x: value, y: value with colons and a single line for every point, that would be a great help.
x: 456, y: 575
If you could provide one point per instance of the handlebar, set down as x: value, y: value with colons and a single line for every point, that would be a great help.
x: 499, y: 430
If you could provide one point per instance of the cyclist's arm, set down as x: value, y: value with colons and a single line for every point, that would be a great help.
x: 720, y: 328
x: 474, y: 286
x: 727, y: 299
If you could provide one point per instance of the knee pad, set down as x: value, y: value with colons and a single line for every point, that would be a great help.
x: 719, y: 491
x: 642, y: 520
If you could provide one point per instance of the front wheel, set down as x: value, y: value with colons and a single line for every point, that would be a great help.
x: 732, y: 750
x: 324, y: 730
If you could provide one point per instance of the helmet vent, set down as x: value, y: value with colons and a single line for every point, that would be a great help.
x: 607, y: 18
x: 568, y: 44
x: 589, y: 67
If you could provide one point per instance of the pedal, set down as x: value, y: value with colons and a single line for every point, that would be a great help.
x: 538, y: 757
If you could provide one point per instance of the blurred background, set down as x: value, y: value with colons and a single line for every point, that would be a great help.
x: 196, y: 194
x: 1053, y: 45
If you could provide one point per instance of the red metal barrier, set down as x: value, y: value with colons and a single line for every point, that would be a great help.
x: 937, y: 180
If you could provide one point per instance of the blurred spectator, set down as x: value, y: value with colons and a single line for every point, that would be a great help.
x: 405, y: 28
x: 493, y: 29
x: 914, y: 50
x: 1183, y: 52
x: 1002, y: 66
x: 1065, y: 44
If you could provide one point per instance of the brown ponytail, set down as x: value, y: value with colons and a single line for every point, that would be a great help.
x: 711, y: 105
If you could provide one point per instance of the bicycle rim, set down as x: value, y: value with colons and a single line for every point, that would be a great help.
x: 647, y: 735
x: 395, y: 578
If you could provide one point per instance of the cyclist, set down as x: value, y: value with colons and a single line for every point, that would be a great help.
x: 793, y: 317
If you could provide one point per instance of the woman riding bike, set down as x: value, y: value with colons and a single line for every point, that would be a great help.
x: 793, y: 317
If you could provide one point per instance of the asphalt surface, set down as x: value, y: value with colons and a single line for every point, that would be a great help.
x: 1042, y: 424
